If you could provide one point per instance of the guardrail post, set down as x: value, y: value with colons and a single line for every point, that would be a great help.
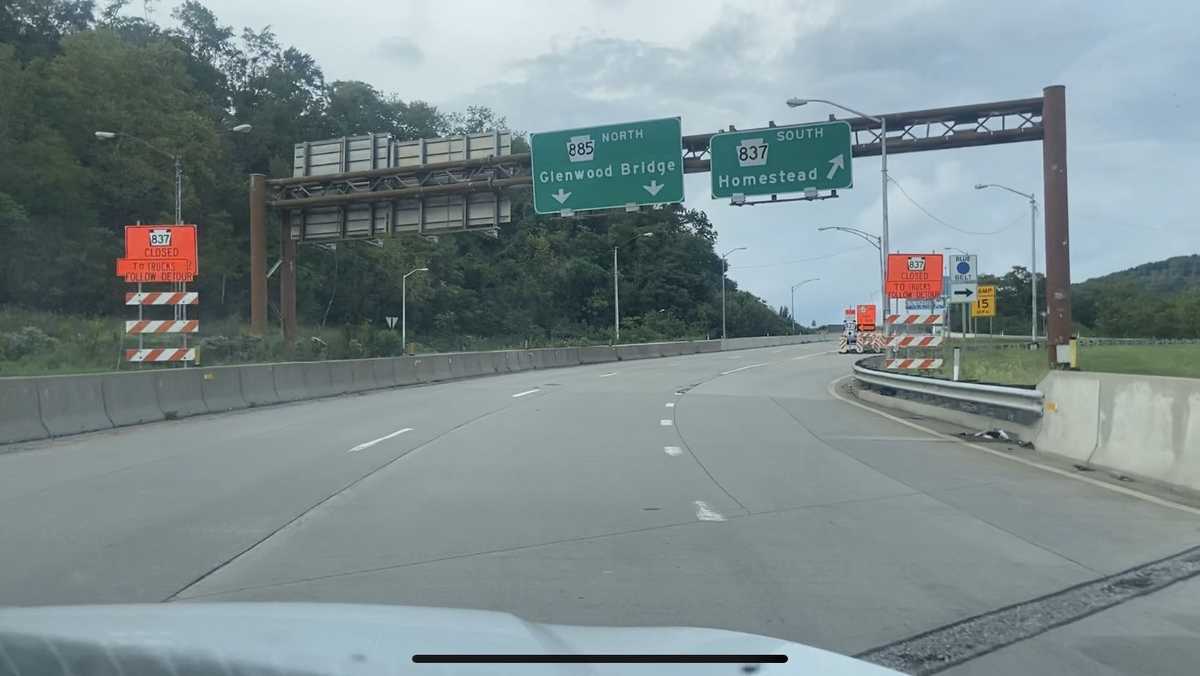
x: 957, y: 359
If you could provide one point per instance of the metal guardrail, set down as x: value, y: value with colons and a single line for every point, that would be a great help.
x: 1017, y: 398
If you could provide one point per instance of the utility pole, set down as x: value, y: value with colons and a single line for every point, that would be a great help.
x: 1058, y: 237
x: 724, y: 264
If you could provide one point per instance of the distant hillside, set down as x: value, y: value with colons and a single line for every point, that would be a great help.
x: 1159, y: 299
x: 1169, y: 276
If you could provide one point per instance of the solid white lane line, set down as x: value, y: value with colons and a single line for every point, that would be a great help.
x: 665, y: 422
x: 527, y: 392
x: 672, y: 450
x: 372, y: 442
x: 670, y: 404
x: 831, y: 388
x: 743, y: 368
x: 605, y: 375
x: 810, y: 356
x: 706, y: 513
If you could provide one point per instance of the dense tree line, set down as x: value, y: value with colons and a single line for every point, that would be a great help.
x: 1157, y: 300
x: 69, y: 68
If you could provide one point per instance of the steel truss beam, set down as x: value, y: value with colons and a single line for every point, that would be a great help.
x: 908, y: 132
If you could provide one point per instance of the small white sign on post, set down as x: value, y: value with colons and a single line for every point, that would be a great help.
x: 392, y: 322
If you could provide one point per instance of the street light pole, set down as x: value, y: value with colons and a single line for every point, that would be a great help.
x: 404, y: 308
x: 175, y: 157
x: 875, y: 241
x: 617, y: 288
x: 794, y: 287
x: 883, y: 174
x: 1032, y: 252
x: 724, y: 263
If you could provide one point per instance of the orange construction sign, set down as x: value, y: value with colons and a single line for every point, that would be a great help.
x: 865, y: 316
x: 914, y: 275
x: 159, y: 253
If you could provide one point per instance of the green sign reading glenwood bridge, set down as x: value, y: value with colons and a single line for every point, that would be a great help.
x: 617, y: 165
x: 781, y: 160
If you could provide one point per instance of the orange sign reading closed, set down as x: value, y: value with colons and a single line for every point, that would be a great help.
x: 159, y: 253
x: 914, y: 275
x: 866, y: 318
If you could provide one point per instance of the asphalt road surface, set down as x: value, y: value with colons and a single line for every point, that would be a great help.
x: 728, y: 490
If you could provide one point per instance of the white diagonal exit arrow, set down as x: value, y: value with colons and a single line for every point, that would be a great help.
x: 561, y: 195
x: 653, y: 188
x: 838, y: 162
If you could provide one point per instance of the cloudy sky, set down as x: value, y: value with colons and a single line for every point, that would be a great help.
x: 1131, y: 71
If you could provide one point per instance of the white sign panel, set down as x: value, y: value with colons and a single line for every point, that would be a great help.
x: 963, y: 292
x: 963, y: 268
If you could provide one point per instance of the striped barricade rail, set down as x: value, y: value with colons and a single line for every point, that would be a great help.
x: 162, y: 298
x: 134, y: 327
x: 161, y: 354
x: 916, y: 319
x: 912, y: 363
x: 915, y: 341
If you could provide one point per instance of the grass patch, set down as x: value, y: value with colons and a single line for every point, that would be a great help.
x: 1180, y: 360
x: 986, y: 362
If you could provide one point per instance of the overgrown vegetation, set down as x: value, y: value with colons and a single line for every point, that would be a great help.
x: 69, y: 68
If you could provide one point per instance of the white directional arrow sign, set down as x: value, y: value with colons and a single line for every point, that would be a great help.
x: 561, y: 196
x: 838, y: 162
x: 653, y: 188
x: 391, y: 321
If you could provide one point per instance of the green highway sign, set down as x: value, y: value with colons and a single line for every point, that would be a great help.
x: 781, y: 160
x: 617, y: 165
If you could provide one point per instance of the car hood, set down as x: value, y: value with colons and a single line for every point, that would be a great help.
x: 321, y: 638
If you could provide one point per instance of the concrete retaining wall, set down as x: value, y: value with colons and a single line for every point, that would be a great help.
x: 20, y: 417
x: 35, y: 408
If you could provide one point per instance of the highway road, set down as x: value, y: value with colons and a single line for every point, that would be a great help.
x: 734, y: 490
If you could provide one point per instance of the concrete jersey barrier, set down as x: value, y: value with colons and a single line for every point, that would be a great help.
x: 222, y: 389
x: 72, y: 404
x: 131, y: 398
x: 35, y: 408
x: 1145, y: 426
x: 20, y: 416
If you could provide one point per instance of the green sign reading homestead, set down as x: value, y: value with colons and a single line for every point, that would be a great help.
x: 781, y: 160
x: 616, y: 165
